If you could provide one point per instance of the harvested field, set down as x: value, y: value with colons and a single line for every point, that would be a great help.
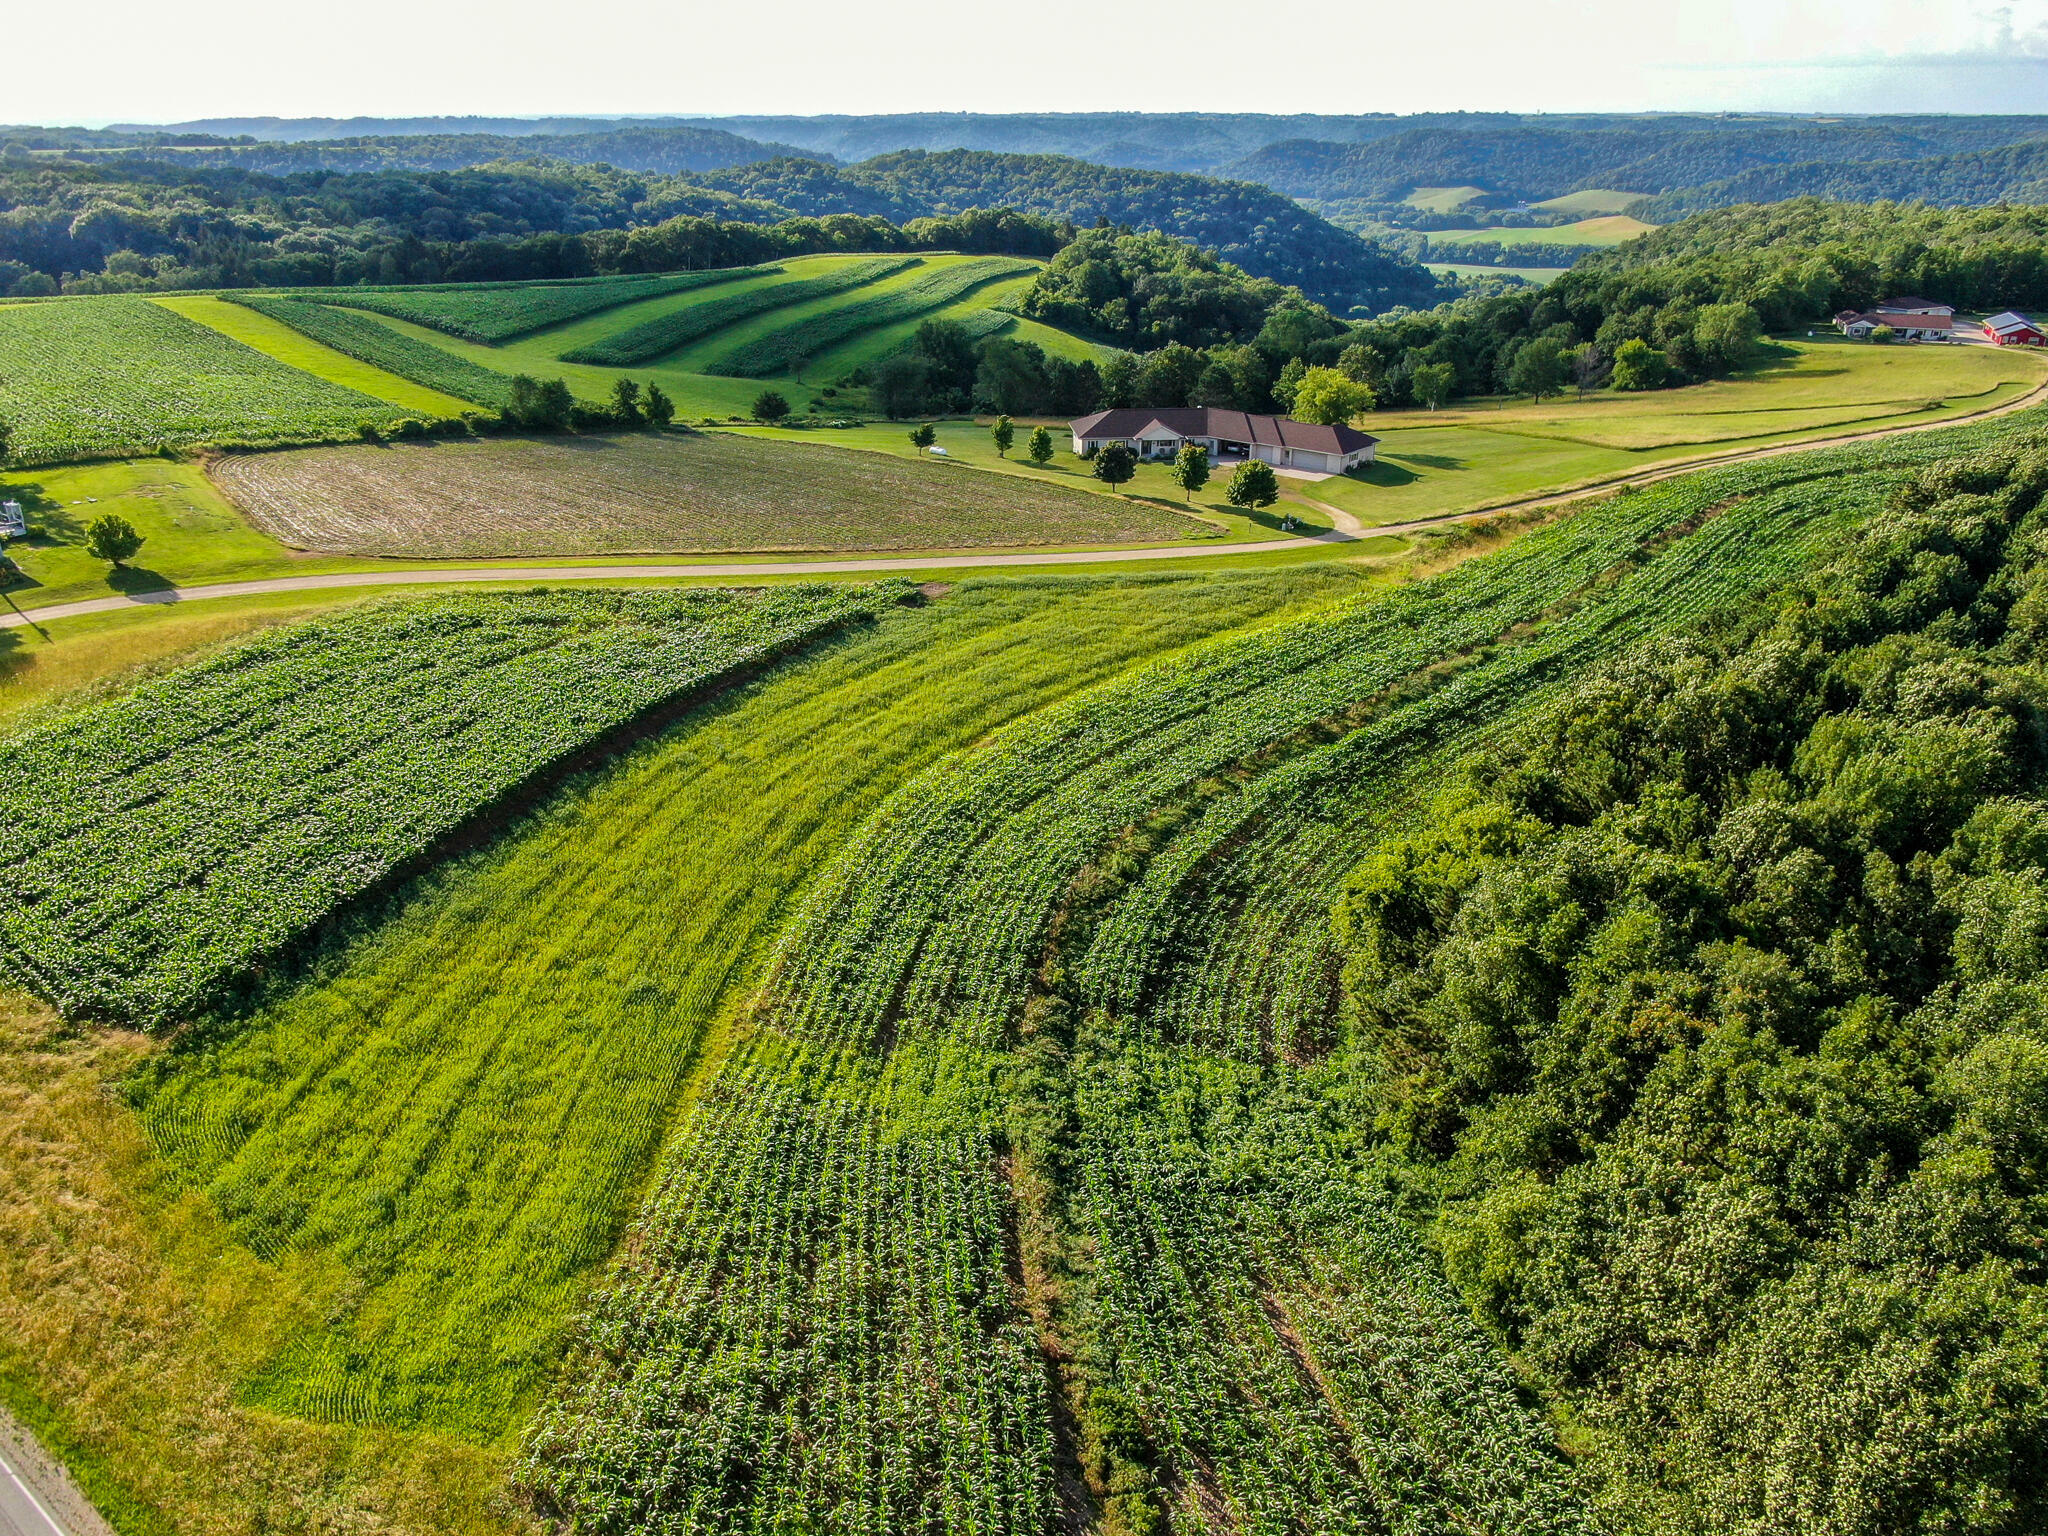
x: 646, y: 494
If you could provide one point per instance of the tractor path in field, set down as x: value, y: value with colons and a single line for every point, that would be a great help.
x: 1348, y: 530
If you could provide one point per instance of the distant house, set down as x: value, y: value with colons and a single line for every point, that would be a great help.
x: 1910, y: 325
x: 2013, y: 329
x: 1909, y: 305
x: 1279, y: 440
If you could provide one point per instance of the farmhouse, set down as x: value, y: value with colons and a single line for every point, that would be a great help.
x: 1909, y: 305
x: 2013, y: 329
x: 1910, y: 325
x: 1279, y: 440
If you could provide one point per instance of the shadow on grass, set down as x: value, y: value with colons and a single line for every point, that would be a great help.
x: 1386, y: 472
x: 131, y: 579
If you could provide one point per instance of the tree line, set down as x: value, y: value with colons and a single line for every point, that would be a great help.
x: 1706, y: 1029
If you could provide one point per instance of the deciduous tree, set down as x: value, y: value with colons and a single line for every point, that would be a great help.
x: 1253, y: 484
x: 626, y: 400
x: 1328, y: 398
x: 1432, y: 383
x: 769, y: 405
x: 1115, y: 464
x: 1190, y: 469
x: 1638, y: 365
x: 1040, y: 449
x: 659, y: 408
x: 1539, y: 369
x: 923, y: 435
x: 1002, y: 434
x: 112, y: 538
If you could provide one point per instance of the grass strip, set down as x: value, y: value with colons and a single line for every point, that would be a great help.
x: 491, y: 316
x: 367, y: 341
x: 678, y: 328
x: 819, y: 333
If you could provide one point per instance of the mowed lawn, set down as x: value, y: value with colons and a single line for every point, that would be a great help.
x: 648, y: 493
x: 1475, y: 454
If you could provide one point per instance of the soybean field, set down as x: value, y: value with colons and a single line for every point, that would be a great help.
x: 182, y: 834
x: 122, y: 375
x: 849, y: 1059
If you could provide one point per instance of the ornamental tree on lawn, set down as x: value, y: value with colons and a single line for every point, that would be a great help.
x: 1115, y: 464
x: 1040, y: 449
x: 1253, y: 484
x: 1190, y: 470
x: 1002, y: 434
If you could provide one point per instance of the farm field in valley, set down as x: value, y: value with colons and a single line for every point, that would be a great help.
x: 1600, y: 229
x: 640, y: 492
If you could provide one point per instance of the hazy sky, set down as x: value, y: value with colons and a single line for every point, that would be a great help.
x: 127, y: 60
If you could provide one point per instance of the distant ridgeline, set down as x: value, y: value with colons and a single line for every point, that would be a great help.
x: 384, y: 209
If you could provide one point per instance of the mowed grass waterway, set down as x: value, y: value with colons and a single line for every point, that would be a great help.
x: 462, y: 1106
x: 647, y: 493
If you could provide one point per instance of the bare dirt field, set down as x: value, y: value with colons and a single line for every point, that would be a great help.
x: 643, y: 493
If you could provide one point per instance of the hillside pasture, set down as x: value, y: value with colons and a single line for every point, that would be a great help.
x: 112, y: 375
x: 1480, y: 452
x: 647, y: 493
x: 1442, y: 199
x: 1591, y: 203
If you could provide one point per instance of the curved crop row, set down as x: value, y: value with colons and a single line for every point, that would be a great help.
x: 807, y: 338
x: 380, y: 346
x: 813, y: 1331
x: 500, y: 313
x: 679, y: 327
x: 166, y: 841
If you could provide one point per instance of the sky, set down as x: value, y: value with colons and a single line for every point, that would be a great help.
x: 144, y: 61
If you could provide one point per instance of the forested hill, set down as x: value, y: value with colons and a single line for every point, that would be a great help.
x: 662, y: 150
x: 2012, y: 173
x: 1251, y: 226
x: 169, y: 222
x: 1537, y: 163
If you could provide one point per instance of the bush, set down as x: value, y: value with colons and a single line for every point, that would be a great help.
x: 770, y: 406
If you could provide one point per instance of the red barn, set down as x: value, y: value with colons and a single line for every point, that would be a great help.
x: 2013, y: 329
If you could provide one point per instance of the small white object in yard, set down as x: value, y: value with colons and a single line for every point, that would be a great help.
x: 938, y: 453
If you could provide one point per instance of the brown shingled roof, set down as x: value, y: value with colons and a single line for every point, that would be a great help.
x: 1231, y: 426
